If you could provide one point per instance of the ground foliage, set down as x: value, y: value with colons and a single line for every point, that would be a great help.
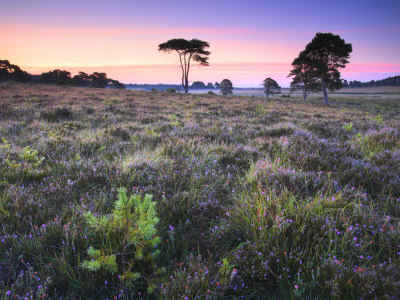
x: 251, y: 198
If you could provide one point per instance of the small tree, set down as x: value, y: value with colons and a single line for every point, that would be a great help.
x: 188, y: 51
x: 326, y: 54
x: 198, y: 85
x: 271, y: 86
x: 304, y: 78
x: 128, y: 238
x: 226, y: 87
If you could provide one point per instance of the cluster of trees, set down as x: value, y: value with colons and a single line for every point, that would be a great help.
x: 202, y: 85
x: 96, y: 79
x: 390, y: 81
x: 315, y: 69
x: 317, y: 66
x: 10, y: 72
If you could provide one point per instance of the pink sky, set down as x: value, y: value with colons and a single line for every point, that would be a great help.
x: 246, y: 50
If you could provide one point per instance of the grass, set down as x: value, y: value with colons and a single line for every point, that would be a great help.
x: 251, y: 198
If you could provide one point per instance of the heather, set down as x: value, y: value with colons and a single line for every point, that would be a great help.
x: 128, y: 194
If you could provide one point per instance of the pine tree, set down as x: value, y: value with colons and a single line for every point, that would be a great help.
x: 128, y: 235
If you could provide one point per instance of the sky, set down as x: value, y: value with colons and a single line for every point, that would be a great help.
x: 249, y: 40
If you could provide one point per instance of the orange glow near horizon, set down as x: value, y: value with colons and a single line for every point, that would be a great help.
x: 130, y: 55
x: 168, y: 73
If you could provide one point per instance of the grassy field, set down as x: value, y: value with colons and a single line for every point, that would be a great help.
x: 251, y: 198
x: 373, y: 90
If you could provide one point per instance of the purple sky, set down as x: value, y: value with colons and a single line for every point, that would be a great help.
x: 250, y: 40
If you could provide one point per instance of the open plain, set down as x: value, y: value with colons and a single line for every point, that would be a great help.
x: 252, y: 198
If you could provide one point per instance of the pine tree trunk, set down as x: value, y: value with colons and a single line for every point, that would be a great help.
x: 186, y: 84
x: 324, y: 91
x: 305, y: 95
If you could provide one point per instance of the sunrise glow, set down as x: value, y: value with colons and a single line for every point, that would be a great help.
x: 246, y: 45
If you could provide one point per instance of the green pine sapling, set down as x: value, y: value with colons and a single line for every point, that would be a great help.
x: 127, y: 235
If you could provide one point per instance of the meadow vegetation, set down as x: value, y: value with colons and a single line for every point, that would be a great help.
x: 129, y: 194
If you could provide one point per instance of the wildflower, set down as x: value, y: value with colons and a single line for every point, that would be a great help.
x: 296, y: 286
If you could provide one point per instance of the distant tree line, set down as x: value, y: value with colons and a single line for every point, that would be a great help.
x: 160, y: 87
x: 10, y: 72
x: 390, y: 81
x: 202, y: 85
x: 198, y: 85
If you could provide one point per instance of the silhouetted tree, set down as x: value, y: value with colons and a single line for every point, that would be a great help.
x: 13, y: 72
x: 56, y: 76
x: 4, y: 69
x: 82, y: 79
x: 304, y: 77
x: 9, y: 71
x: 217, y: 85
x: 20, y: 75
x: 390, y: 81
x: 271, y: 86
x: 327, y: 53
x: 99, y: 80
x: 226, y: 87
x: 355, y: 83
x: 198, y: 85
x: 188, y: 51
x: 210, y: 85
